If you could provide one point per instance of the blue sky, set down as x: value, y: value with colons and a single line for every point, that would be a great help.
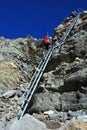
x: 19, y: 18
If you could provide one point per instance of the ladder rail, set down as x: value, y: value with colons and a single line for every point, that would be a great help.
x: 70, y: 28
x: 30, y: 83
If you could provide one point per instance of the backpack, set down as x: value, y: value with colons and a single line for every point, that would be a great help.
x: 46, y: 40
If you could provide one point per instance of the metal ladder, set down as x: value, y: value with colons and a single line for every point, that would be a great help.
x: 66, y: 34
x: 38, y: 73
x: 70, y: 28
x: 33, y: 84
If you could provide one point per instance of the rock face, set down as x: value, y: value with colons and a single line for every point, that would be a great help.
x: 17, y: 66
x: 63, y: 86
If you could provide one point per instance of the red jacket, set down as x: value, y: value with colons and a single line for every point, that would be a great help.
x: 46, y: 40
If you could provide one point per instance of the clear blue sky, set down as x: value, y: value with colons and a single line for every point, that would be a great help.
x: 18, y: 18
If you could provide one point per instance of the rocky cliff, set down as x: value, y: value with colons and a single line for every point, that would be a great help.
x: 63, y: 86
x: 65, y: 82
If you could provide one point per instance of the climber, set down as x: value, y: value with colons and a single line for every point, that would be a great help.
x: 55, y: 41
x: 73, y: 14
x: 46, y: 42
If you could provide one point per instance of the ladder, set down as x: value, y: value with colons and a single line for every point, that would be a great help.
x: 33, y: 84
x: 66, y: 34
x: 38, y: 73
x: 70, y: 28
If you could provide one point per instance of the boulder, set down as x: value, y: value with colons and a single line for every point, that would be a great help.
x: 74, y: 125
x: 28, y: 122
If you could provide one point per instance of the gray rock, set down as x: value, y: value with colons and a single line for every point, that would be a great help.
x: 8, y: 94
x: 27, y: 123
x: 2, y: 125
x: 74, y: 81
x: 45, y: 101
x: 75, y: 113
x: 18, y: 92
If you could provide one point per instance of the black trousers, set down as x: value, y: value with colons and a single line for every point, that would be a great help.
x: 46, y: 46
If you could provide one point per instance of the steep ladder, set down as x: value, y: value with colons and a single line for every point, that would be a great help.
x: 38, y: 73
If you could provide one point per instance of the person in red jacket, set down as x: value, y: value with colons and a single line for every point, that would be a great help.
x: 46, y: 43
